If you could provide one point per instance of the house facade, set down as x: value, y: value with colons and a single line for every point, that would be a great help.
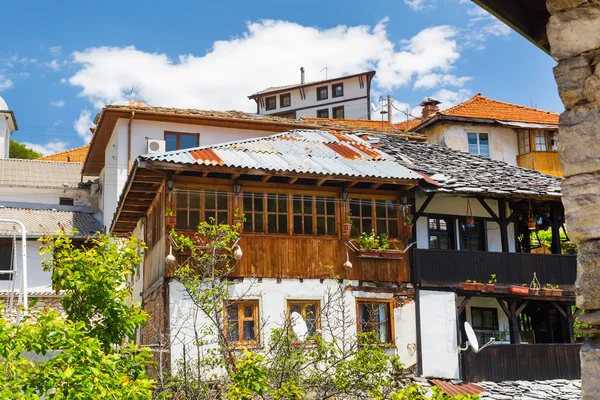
x: 8, y: 125
x: 517, y: 135
x: 346, y: 97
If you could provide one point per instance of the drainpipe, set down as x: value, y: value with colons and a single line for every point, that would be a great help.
x: 129, y: 141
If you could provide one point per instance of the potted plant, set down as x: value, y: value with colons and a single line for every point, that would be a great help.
x: 520, y: 290
x: 534, y: 288
x: 347, y: 226
x: 472, y: 285
x: 531, y: 224
x: 547, y: 290
x: 408, y: 224
x: 368, y: 244
x: 170, y: 218
x: 556, y: 291
x: 389, y: 247
x: 489, y: 287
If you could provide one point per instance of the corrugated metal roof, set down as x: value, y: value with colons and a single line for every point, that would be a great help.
x: 41, y: 222
x: 456, y: 389
x: 300, y: 151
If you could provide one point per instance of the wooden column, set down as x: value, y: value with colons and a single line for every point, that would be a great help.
x: 570, y: 329
x: 556, y: 219
x: 514, y: 323
x: 503, y: 225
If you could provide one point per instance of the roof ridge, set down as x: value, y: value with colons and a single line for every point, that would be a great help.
x: 43, y: 158
x: 479, y: 96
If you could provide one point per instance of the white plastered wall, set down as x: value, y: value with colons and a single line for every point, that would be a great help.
x: 487, y: 302
x: 272, y: 299
x: 439, y: 350
x: 37, y: 279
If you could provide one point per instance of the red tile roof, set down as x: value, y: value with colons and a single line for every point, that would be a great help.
x: 407, y: 125
x: 72, y: 155
x: 481, y: 107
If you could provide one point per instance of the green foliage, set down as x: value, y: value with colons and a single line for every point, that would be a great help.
x: 18, y: 150
x: 95, y: 280
x: 493, y: 278
x: 81, y: 361
x: 415, y: 392
x: 373, y: 242
x: 544, y: 238
x: 250, y: 378
x: 408, y: 219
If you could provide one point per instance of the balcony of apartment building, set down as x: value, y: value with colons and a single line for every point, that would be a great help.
x: 538, y: 151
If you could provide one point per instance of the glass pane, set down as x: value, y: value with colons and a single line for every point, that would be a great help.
x: 297, y: 224
x: 307, y: 205
x: 248, y: 224
x: 182, y: 219
x: 194, y: 199
x: 282, y: 203
x: 476, y: 317
x: 484, y: 148
x: 283, y: 225
x: 170, y: 142
x: 258, y: 202
x: 247, y: 203
x: 330, y: 205
x: 367, y: 225
x: 331, y: 226
x: 321, y: 228
x: 308, y: 225
x: 222, y: 217
x: 232, y: 312
x: 393, y: 228
x: 182, y: 199
x: 272, y: 223
x: 295, y: 308
x: 188, y: 141
x: 234, y: 331
x: 248, y: 311
x: 320, y: 204
x: 297, y: 204
x: 355, y: 207
x: 194, y: 219
x: 210, y: 201
x: 210, y: 216
x: 432, y: 223
x: 381, y: 227
x: 248, y: 330
x: 259, y: 224
x: 380, y: 209
x: 222, y: 201
x: 271, y: 203
x: 443, y: 225
x: 472, y: 140
x: 366, y: 209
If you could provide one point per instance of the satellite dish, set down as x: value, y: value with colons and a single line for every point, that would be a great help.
x: 472, y: 340
x: 299, y: 326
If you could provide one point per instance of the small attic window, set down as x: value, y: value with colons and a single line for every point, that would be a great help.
x: 65, y: 201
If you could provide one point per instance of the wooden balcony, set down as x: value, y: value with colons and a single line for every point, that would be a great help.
x: 450, y: 267
x: 546, y: 162
x: 527, y: 362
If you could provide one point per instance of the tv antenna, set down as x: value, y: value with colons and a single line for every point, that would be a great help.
x: 131, y: 93
x: 472, y: 340
x: 324, y: 69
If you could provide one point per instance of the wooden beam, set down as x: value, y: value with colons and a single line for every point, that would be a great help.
x: 559, y: 309
x: 503, y: 225
x: 503, y: 306
x: 235, y: 175
x: 423, y: 207
x: 521, y: 308
x: 265, y: 178
x: 352, y: 184
x: 292, y: 180
x: 462, y: 306
x: 205, y: 174
x: 376, y: 185
x: 320, y: 182
x: 488, y: 209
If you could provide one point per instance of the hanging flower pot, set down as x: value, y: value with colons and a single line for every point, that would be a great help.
x: 346, y: 228
x: 469, y: 219
x: 470, y: 222
x: 531, y: 224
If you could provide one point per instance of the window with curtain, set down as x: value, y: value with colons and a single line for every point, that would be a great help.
x: 478, y: 144
x: 541, y: 143
x: 523, y: 136
x: 309, y: 309
x: 375, y: 316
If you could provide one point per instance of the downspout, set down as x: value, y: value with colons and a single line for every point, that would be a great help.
x: 129, y: 141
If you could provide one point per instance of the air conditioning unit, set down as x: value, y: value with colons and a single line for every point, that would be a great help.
x: 156, y: 146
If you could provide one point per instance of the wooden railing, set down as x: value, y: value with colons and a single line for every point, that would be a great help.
x: 453, y: 266
x: 527, y: 362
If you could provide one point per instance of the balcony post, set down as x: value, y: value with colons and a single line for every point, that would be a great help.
x: 556, y: 220
x: 514, y: 324
x: 503, y: 225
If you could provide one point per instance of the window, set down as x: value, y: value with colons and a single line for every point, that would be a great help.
x: 374, y: 316
x: 325, y: 210
x: 194, y: 206
x: 337, y: 90
x: 178, y: 141
x: 271, y: 103
x: 6, y: 255
x: 313, y: 215
x: 540, y: 141
x: 479, y: 144
x: 324, y: 113
x: 338, y: 112
x: 368, y: 214
x: 441, y: 233
x: 303, y: 215
x: 285, y: 100
x: 485, y: 323
x: 241, y: 318
x: 524, y: 146
x: 154, y: 222
x: 309, y: 309
x: 322, y: 93
x: 472, y: 239
x: 254, y: 212
x: 65, y: 201
x: 277, y: 213
x: 553, y: 140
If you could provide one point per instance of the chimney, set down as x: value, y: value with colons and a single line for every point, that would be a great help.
x: 302, y: 75
x: 430, y: 108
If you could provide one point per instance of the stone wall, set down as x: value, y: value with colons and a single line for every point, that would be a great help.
x: 574, y: 35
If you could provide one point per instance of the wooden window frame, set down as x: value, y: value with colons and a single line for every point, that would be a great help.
x: 333, y: 112
x: 478, y: 136
x: 450, y: 232
x: 326, y: 110
x: 201, y: 207
x: 241, y: 319
x: 524, y: 141
x: 267, y: 99
x: 178, y: 136
x: 334, y: 86
x: 391, y: 339
x: 303, y: 303
x: 373, y: 217
x: 483, y: 328
x: 469, y: 234
x: 285, y: 96
x: 319, y: 98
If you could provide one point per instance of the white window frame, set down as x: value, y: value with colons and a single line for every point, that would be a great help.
x: 489, y: 138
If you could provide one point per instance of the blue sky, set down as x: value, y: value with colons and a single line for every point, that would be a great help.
x: 60, y: 61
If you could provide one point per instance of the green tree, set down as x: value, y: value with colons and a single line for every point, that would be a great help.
x: 19, y: 150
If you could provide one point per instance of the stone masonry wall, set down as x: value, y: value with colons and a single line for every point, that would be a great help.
x: 574, y: 35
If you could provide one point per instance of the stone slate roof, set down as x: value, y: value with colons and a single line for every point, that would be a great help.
x: 41, y: 222
x: 462, y: 172
x: 556, y: 389
x: 41, y: 174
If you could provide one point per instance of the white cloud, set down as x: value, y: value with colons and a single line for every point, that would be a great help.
x: 449, y: 98
x: 53, y: 65
x: 482, y: 25
x: 54, y: 146
x: 63, y: 80
x: 83, y: 124
x: 5, y: 83
x: 269, y: 53
x: 55, y: 50
x: 419, y: 4
x: 429, y: 81
x: 57, y: 103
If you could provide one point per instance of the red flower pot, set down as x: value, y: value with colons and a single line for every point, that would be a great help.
x: 520, y: 290
x: 489, y: 287
x: 473, y: 286
x: 369, y: 252
x: 395, y: 254
x: 346, y: 228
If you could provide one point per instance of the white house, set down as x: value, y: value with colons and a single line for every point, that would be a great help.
x: 345, y: 97
x: 8, y: 124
